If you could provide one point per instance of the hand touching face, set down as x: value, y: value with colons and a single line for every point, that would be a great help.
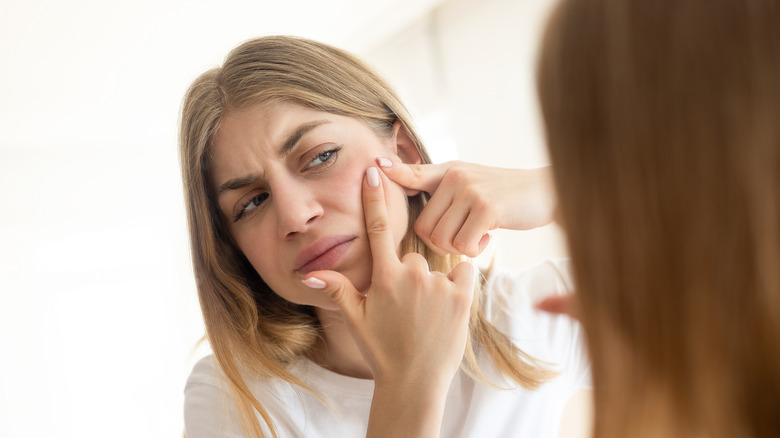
x: 468, y: 200
x: 410, y: 324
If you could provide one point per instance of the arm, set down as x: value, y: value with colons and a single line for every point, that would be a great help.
x: 411, y: 325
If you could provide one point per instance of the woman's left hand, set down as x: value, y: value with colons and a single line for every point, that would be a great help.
x: 468, y: 200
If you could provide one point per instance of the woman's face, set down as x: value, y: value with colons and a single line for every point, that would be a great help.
x: 288, y: 181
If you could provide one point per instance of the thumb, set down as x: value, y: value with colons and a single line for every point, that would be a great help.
x: 339, y: 289
x: 414, y: 177
x: 463, y: 275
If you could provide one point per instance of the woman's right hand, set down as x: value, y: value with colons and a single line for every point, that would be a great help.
x: 411, y: 325
x: 468, y: 200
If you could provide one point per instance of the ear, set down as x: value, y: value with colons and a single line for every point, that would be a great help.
x: 404, y: 146
x: 406, y: 149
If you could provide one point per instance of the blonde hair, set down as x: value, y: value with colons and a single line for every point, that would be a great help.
x: 663, y: 125
x: 249, y: 327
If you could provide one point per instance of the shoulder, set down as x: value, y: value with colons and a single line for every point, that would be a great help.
x: 207, y: 411
x: 204, y: 372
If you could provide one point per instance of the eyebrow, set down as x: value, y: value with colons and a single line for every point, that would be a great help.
x: 287, y: 147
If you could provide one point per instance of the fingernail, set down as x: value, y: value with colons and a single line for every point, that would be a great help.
x: 314, y: 283
x: 372, y: 175
x: 384, y: 162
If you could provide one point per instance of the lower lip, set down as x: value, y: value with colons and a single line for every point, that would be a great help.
x: 327, y: 259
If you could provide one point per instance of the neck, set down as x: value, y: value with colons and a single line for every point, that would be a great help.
x: 336, y: 350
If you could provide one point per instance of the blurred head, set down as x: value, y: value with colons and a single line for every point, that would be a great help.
x: 662, y: 126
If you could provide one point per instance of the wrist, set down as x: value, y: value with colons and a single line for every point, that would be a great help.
x: 407, y: 409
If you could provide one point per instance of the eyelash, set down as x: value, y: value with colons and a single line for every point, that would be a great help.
x: 331, y: 155
x: 246, y: 204
x: 332, y: 151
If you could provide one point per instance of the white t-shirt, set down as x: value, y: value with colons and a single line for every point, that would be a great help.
x: 472, y: 409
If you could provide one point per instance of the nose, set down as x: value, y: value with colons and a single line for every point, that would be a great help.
x: 296, y: 205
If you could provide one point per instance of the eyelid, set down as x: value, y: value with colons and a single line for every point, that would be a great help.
x: 317, y: 151
x: 244, y: 202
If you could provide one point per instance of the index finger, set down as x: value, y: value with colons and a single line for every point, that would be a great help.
x: 425, y: 177
x: 380, y: 235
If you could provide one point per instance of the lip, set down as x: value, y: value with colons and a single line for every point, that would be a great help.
x: 322, y: 254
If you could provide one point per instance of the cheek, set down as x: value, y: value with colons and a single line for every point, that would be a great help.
x: 257, y: 246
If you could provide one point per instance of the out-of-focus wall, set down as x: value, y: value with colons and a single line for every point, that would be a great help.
x: 467, y: 70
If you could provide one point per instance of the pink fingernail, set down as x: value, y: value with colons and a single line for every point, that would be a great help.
x: 372, y: 175
x: 384, y: 162
x: 314, y: 283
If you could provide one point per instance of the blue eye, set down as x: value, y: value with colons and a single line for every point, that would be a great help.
x: 322, y: 158
x: 251, y: 205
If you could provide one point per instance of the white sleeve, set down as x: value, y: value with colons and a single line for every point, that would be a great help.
x: 556, y: 339
x: 207, y: 410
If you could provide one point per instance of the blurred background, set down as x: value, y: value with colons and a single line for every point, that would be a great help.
x: 99, y: 317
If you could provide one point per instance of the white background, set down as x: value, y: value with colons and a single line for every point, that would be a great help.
x: 98, y: 311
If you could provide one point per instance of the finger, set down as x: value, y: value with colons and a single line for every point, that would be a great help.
x: 447, y: 229
x: 471, y: 237
x: 483, y: 243
x: 380, y: 235
x: 416, y: 260
x: 425, y: 177
x: 559, y: 305
x: 340, y: 290
x: 463, y: 275
x: 430, y: 217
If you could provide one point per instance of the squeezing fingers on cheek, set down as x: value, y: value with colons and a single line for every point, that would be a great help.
x: 380, y: 235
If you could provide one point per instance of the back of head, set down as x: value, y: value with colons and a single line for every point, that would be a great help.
x: 663, y: 124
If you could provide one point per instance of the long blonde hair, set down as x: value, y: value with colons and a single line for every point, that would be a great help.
x: 250, y: 328
x: 663, y: 125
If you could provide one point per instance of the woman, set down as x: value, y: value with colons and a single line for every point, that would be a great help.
x: 662, y: 123
x: 278, y: 150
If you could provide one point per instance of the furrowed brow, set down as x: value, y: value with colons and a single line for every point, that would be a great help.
x: 287, y: 147
x: 236, y: 184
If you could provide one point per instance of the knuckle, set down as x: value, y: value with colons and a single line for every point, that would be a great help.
x: 413, y: 257
x: 437, y: 239
x: 416, y: 262
x: 377, y: 226
x: 461, y: 244
x: 337, y: 295
x: 421, y: 229
x: 456, y: 175
x: 417, y: 170
x: 473, y: 194
x: 481, y: 205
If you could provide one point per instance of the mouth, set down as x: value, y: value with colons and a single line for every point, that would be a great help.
x: 322, y: 254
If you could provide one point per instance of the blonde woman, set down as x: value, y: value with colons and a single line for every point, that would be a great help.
x: 327, y: 314
x: 663, y: 124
